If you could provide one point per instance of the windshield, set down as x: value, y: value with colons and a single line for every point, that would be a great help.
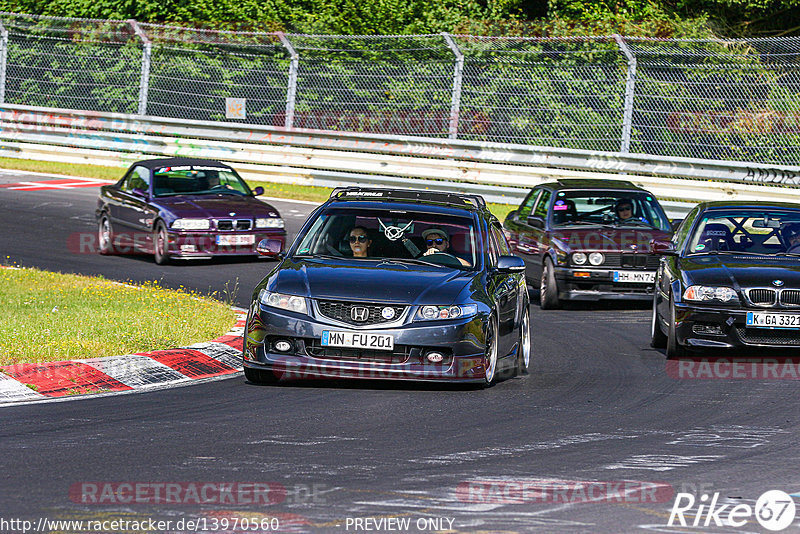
x: 617, y: 208
x: 748, y: 232
x: 392, y: 235
x: 197, y: 180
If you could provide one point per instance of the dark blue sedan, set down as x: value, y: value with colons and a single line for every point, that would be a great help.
x: 388, y: 284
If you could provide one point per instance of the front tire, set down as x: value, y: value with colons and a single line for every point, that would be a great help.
x: 548, y: 288
x: 658, y: 340
x: 257, y: 376
x: 105, y: 236
x: 490, y: 356
x: 674, y: 349
x: 161, y: 244
x: 524, y: 349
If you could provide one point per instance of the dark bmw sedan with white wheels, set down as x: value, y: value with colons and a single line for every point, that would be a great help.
x: 730, y: 277
x: 391, y: 284
x: 181, y: 208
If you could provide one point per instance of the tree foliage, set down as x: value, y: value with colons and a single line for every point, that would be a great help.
x: 668, y: 18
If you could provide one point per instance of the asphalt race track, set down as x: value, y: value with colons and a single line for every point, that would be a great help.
x: 599, y: 408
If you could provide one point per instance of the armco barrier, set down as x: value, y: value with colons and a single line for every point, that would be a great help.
x: 500, y: 172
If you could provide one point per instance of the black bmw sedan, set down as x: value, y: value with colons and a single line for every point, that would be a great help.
x: 730, y: 277
x: 392, y: 284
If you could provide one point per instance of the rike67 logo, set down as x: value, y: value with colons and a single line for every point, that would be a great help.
x: 774, y: 510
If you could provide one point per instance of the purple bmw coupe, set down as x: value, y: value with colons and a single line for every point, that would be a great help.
x: 182, y: 208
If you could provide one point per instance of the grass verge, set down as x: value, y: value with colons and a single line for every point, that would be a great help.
x: 271, y: 189
x: 49, y: 317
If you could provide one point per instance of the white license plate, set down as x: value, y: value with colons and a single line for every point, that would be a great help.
x: 773, y: 320
x: 644, y: 277
x: 236, y: 239
x: 357, y: 340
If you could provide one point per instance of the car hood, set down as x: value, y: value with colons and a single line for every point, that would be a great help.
x: 606, y: 239
x: 218, y: 206
x: 370, y: 281
x: 740, y: 270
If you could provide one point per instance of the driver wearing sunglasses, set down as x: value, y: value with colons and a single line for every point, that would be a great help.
x: 359, y: 242
x: 437, y: 241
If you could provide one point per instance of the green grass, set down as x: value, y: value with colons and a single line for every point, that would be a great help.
x: 271, y: 189
x: 53, y: 317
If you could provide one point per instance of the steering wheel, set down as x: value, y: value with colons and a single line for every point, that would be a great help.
x: 443, y: 258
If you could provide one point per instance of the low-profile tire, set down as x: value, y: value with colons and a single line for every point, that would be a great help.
x: 658, y: 339
x: 105, y: 236
x: 674, y: 349
x: 257, y: 376
x: 548, y: 288
x: 524, y: 348
x: 161, y: 244
x: 490, y: 355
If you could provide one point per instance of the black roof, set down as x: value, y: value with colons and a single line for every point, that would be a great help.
x: 757, y: 204
x: 406, y: 195
x: 177, y: 162
x: 592, y: 183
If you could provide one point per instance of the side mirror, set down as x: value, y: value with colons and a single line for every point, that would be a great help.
x: 535, y: 221
x: 675, y: 223
x: 510, y: 264
x: 662, y: 247
x: 271, y: 248
x: 258, y: 191
x: 139, y: 192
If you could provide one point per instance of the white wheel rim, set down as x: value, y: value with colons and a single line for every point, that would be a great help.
x: 161, y: 243
x: 104, y: 234
x: 491, y: 361
x: 543, y: 284
x: 526, y: 340
x: 653, y: 320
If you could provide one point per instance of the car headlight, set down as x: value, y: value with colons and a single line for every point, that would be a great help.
x: 433, y: 313
x: 284, y: 302
x: 271, y: 222
x: 596, y: 258
x: 191, y: 224
x: 699, y: 293
x: 579, y: 258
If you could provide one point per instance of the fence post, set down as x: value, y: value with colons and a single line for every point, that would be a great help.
x: 3, y: 61
x: 630, y: 85
x: 291, y: 90
x: 458, y: 74
x: 144, y: 80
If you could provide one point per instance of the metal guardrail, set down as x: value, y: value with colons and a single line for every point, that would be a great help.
x: 723, y: 99
x: 500, y: 172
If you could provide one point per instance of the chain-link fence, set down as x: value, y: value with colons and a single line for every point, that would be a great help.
x: 710, y: 99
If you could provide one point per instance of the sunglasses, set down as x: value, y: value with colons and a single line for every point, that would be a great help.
x: 358, y: 238
x: 627, y: 208
x: 438, y: 241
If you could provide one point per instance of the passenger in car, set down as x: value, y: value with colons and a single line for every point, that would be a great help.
x: 359, y: 242
x: 791, y: 236
x: 437, y: 240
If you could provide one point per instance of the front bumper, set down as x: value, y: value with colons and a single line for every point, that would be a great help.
x: 697, y: 326
x: 188, y: 245
x: 460, y: 341
x: 600, y: 284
